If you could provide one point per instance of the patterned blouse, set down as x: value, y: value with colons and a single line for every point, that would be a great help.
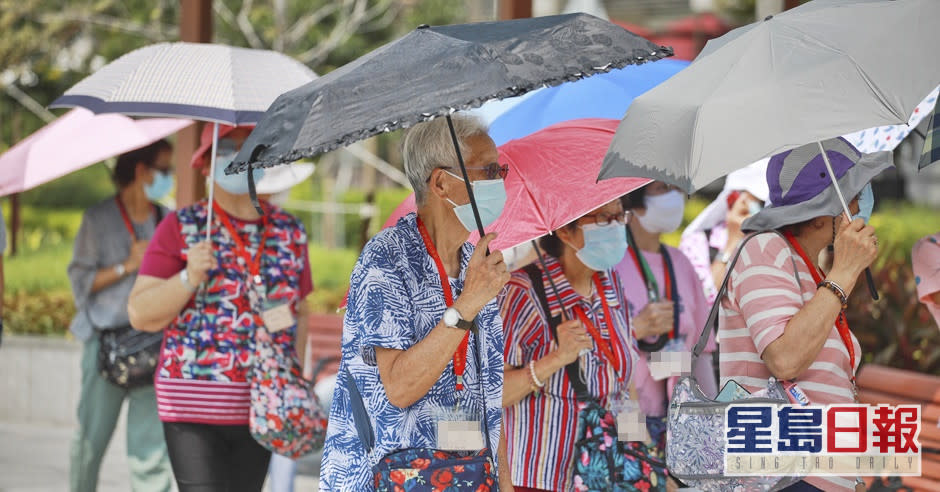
x: 542, y: 428
x: 395, y: 300
x: 208, y: 350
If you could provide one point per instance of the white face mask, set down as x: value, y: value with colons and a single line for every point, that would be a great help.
x: 663, y: 212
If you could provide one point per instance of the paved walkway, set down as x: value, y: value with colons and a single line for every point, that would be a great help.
x: 35, y: 458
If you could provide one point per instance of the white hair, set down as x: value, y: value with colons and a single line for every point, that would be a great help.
x: 428, y: 146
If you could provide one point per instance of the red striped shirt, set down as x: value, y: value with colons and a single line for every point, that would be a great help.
x: 542, y: 428
x: 204, y: 402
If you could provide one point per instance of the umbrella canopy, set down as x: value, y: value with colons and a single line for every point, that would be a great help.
x: 551, y: 180
x: 931, y: 152
x: 603, y: 96
x: 434, y: 71
x: 808, y: 74
x: 889, y: 137
x: 74, y: 141
x: 208, y: 82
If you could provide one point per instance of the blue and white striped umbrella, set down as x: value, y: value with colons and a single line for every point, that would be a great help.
x: 208, y: 82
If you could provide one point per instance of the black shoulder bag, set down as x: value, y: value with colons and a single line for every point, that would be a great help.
x: 126, y: 357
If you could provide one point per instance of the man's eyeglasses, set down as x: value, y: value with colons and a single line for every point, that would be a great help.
x: 492, y: 170
x: 603, y: 219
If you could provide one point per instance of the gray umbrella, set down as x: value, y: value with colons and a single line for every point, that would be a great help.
x: 434, y: 71
x: 809, y: 74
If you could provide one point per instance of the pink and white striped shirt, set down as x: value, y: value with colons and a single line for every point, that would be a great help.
x: 763, y: 295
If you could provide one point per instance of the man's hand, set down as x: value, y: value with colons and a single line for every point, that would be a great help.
x: 486, y: 277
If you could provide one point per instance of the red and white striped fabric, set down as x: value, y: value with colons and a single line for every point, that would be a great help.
x: 202, y: 401
x: 763, y: 295
x: 542, y: 428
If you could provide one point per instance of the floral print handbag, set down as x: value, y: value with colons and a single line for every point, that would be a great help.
x: 695, y: 439
x: 286, y: 416
x: 424, y: 469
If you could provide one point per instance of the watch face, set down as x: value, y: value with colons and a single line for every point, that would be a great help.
x: 450, y: 317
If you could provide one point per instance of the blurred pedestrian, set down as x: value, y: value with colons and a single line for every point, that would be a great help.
x: 666, y: 301
x: 926, y: 262
x: 209, y: 297
x: 782, y: 315
x: 712, y: 237
x: 422, y: 338
x: 542, y: 408
x: 3, y: 249
x: 108, y: 249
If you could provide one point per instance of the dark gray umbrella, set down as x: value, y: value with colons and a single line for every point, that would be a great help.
x: 434, y: 71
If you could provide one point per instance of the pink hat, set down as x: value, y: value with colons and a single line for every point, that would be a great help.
x: 205, y: 143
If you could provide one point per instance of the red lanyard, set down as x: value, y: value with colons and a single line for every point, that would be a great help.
x: 841, y: 324
x: 460, y: 356
x: 596, y: 334
x: 253, y: 264
x: 651, y: 282
x: 127, y: 220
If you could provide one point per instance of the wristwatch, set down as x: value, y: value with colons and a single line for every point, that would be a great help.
x: 184, y: 279
x: 453, y: 319
x: 120, y: 270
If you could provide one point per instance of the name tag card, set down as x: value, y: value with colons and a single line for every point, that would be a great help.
x: 278, y: 318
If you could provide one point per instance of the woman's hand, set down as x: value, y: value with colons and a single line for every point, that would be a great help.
x: 132, y: 263
x: 572, y: 339
x: 200, y: 260
x: 855, y: 248
x: 654, y: 319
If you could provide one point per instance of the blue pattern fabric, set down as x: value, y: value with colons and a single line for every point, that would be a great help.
x: 395, y: 300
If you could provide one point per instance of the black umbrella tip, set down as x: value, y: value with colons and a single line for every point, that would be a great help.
x: 424, y: 26
x: 768, y: 17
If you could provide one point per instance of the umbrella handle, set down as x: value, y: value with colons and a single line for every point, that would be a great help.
x: 466, y: 180
x: 215, y: 142
x: 848, y: 215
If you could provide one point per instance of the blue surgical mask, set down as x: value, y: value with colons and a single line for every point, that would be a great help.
x: 490, y: 196
x: 236, y: 184
x: 604, y: 246
x: 753, y: 207
x: 866, y: 203
x: 161, y: 185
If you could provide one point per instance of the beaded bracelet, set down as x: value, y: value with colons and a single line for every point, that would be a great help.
x: 535, y: 378
x: 837, y: 290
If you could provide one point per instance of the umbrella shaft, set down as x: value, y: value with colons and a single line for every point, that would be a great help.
x: 466, y: 179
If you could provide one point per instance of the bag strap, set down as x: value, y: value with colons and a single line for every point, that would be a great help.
x: 360, y: 415
x: 573, y: 369
x: 712, y: 321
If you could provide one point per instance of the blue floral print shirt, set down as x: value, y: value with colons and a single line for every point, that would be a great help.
x: 395, y: 300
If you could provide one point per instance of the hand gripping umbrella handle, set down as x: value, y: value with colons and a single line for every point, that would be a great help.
x: 848, y: 215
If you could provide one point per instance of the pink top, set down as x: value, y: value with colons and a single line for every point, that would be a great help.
x: 693, y: 311
x: 763, y: 294
x: 926, y: 262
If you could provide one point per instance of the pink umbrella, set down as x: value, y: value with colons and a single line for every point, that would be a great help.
x: 550, y: 182
x: 76, y: 140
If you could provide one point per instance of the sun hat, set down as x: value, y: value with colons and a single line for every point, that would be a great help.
x: 279, y: 179
x: 201, y: 156
x: 800, y: 186
x: 750, y: 179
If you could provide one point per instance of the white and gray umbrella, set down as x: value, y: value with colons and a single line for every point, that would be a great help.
x: 824, y: 69
x: 207, y: 82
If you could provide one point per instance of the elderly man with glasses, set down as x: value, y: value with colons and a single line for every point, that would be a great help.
x: 422, y: 336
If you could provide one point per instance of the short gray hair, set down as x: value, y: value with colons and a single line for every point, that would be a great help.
x: 428, y: 146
